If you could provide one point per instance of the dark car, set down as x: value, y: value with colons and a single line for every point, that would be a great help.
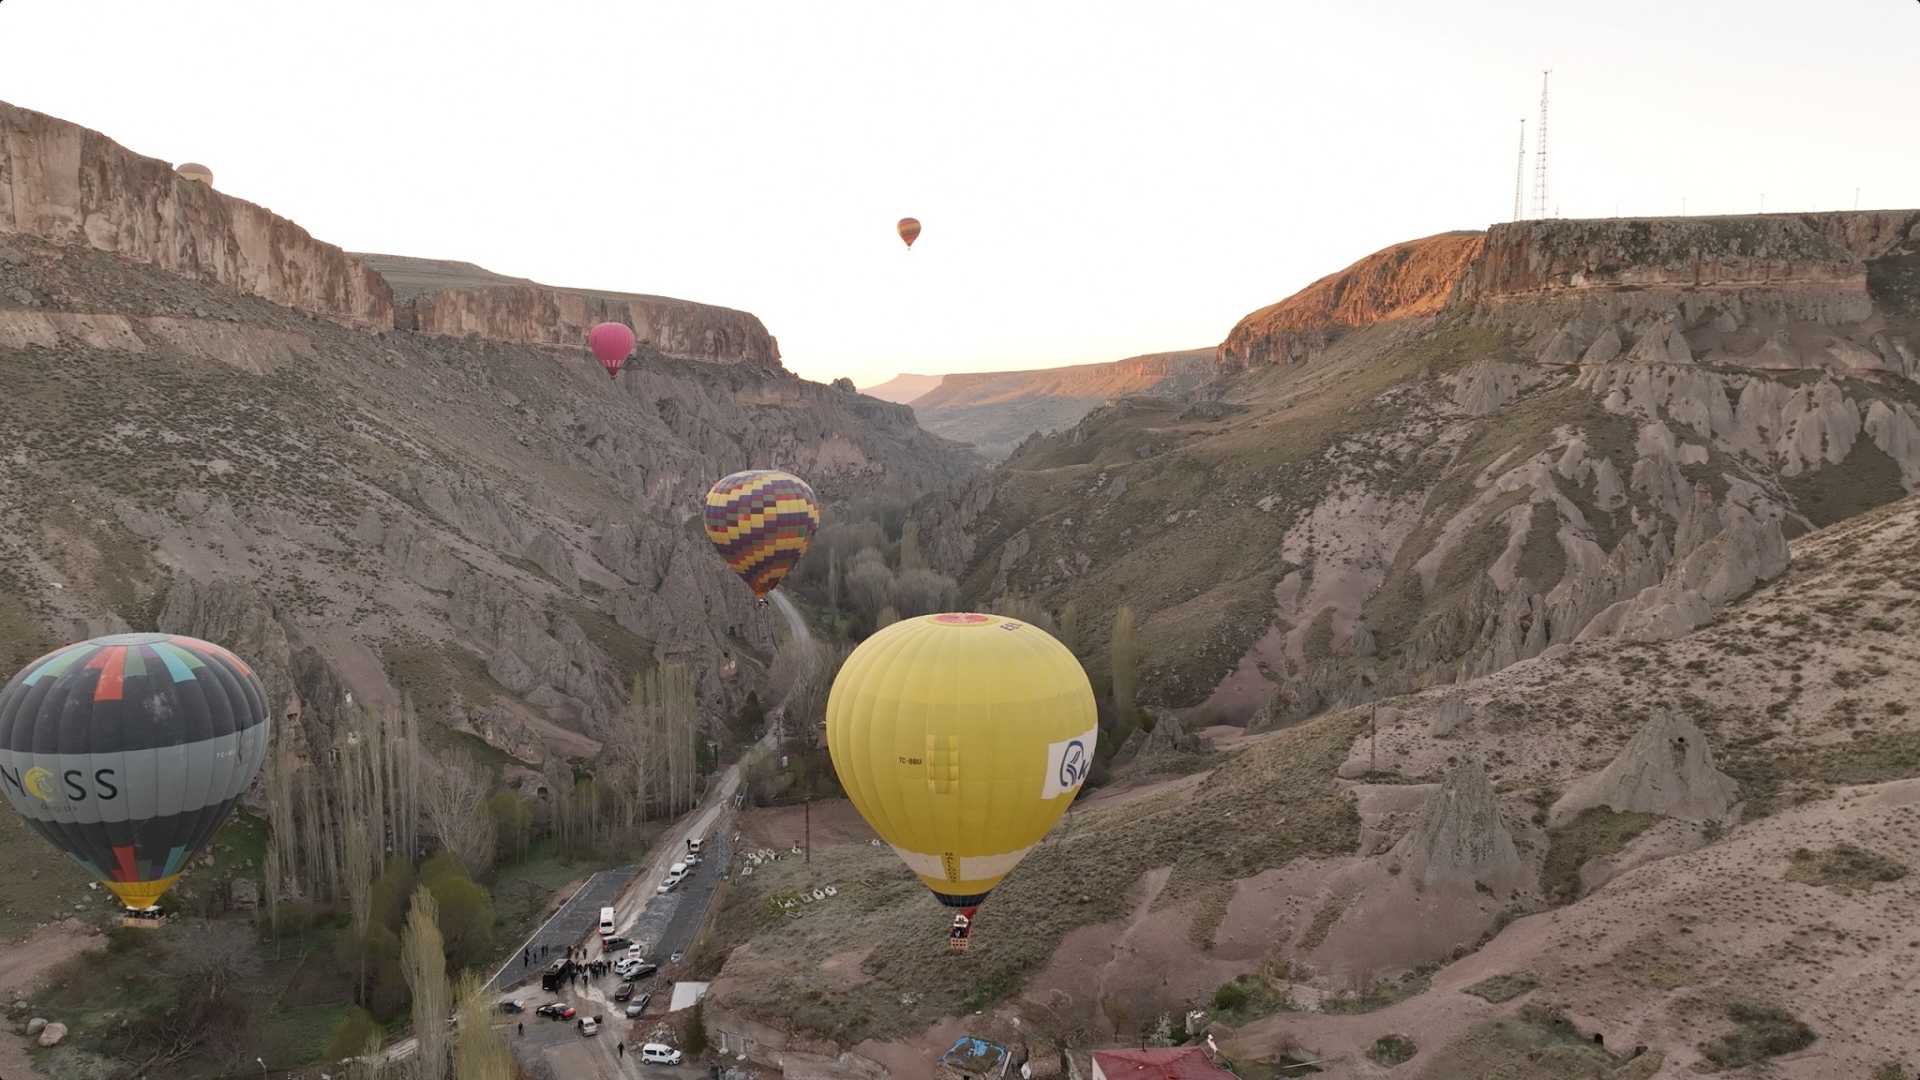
x: 636, y: 972
x: 555, y: 1010
x: 512, y: 1006
x: 612, y: 943
x: 638, y: 1005
x: 625, y: 992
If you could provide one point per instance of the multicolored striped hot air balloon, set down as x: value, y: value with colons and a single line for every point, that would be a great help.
x: 128, y: 752
x: 761, y: 522
x: 909, y: 229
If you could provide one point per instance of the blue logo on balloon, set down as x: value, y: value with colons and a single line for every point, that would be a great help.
x: 1074, y: 764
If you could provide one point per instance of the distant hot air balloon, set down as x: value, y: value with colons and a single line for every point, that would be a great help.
x: 611, y: 342
x: 761, y: 522
x: 195, y: 171
x: 128, y: 752
x: 961, y: 739
x: 909, y: 230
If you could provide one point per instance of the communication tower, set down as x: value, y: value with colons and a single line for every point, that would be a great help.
x: 1540, y: 155
x: 1520, y: 171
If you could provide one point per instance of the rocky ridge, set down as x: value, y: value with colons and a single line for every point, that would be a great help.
x: 1604, y: 428
x: 216, y: 429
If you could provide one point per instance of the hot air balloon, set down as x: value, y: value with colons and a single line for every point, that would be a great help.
x: 761, y: 521
x: 961, y: 739
x: 128, y: 752
x: 909, y: 230
x: 611, y: 342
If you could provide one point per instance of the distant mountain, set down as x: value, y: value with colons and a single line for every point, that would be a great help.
x: 995, y: 410
x: 902, y: 389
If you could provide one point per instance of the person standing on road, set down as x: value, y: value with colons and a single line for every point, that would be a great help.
x: 523, y: 1029
x: 622, y: 1047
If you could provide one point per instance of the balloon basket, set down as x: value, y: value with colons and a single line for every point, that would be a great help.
x: 956, y: 945
x: 143, y: 920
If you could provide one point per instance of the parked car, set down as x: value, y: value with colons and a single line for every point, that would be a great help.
x: 614, y: 943
x: 659, y: 1054
x: 675, y: 875
x: 590, y: 1026
x: 638, y: 1005
x: 513, y: 1006
x: 636, y: 970
x: 555, y: 1010
x: 624, y: 992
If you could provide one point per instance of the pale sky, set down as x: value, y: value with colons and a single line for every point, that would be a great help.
x: 1096, y: 180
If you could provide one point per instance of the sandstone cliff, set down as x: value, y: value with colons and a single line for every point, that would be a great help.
x: 1404, y: 281
x: 74, y: 186
x: 448, y: 298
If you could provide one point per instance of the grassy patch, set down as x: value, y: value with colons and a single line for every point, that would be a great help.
x: 1249, y: 997
x: 1323, y: 921
x: 1597, y: 833
x: 38, y: 884
x: 1760, y: 1032
x: 1868, y: 477
x: 1501, y: 989
x: 522, y: 891
x: 1843, y: 867
x: 1773, y: 777
x: 1378, y: 996
x: 1537, y: 1043
x: 1391, y: 1050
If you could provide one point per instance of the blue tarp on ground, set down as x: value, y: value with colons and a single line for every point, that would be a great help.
x: 969, y: 1054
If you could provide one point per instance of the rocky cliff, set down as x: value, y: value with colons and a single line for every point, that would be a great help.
x: 1469, y: 450
x: 73, y: 186
x: 1404, y: 281
x: 203, y: 435
x: 455, y: 299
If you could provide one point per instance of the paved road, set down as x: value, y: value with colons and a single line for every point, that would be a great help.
x: 576, y: 919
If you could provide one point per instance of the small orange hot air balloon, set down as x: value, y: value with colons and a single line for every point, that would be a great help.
x: 909, y: 230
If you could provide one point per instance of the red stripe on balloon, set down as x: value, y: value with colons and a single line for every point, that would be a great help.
x: 126, y: 871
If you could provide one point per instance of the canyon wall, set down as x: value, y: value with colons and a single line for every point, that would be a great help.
x: 64, y: 183
x: 456, y: 299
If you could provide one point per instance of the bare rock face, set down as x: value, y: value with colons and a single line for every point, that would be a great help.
x: 237, y: 616
x: 1460, y: 839
x: 1722, y: 564
x: 1404, y: 281
x: 1666, y: 768
x: 456, y: 299
x: 64, y: 183
x: 1449, y: 717
x: 1169, y: 736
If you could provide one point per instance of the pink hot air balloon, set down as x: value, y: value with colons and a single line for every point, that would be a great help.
x: 611, y: 342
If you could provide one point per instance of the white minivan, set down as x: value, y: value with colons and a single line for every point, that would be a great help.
x: 675, y: 874
x: 606, y: 922
x: 659, y: 1054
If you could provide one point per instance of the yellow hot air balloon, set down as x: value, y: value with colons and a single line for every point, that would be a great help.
x: 961, y: 739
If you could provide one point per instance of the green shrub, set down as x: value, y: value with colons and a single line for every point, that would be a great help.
x: 1391, y: 1050
x: 1762, y: 1031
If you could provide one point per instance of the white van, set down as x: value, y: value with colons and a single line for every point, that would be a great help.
x: 606, y: 922
x: 659, y: 1054
x: 675, y: 874
x: 693, y: 845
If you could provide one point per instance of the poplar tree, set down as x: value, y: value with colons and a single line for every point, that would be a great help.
x: 423, y: 961
x: 1123, y: 655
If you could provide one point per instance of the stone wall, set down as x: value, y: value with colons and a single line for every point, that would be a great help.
x: 70, y: 185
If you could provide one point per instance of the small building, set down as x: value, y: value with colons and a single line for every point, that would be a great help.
x: 1176, y: 1063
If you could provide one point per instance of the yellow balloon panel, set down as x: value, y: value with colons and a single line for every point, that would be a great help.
x: 961, y: 738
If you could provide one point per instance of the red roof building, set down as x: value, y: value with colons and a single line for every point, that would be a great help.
x: 1178, y: 1063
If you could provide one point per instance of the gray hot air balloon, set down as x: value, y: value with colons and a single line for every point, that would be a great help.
x: 128, y: 752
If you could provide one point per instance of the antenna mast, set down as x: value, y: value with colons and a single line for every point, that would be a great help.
x: 1520, y: 172
x: 1540, y: 156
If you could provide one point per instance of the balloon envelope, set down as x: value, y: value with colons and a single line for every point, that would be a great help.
x: 611, y: 342
x: 128, y: 752
x: 961, y: 739
x: 761, y: 521
x: 909, y: 230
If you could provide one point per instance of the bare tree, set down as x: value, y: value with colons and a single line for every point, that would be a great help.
x: 481, y: 1051
x: 423, y: 961
x: 922, y: 592
x: 911, y: 557
x: 453, y: 804
x: 869, y: 582
x: 1070, y: 627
